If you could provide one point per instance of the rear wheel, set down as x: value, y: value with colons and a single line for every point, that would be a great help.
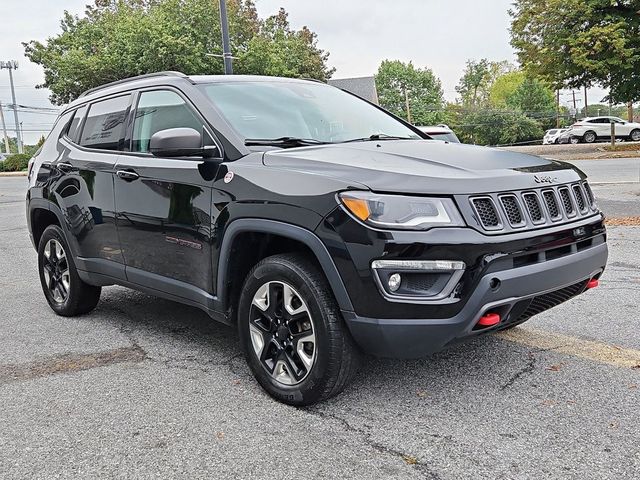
x: 294, y: 338
x: 635, y: 135
x: 65, y: 292
x: 589, y: 137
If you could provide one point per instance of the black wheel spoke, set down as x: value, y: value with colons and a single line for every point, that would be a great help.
x: 277, y: 332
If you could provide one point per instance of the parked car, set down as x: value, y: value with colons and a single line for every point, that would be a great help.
x: 440, y: 132
x: 589, y: 130
x: 551, y: 136
x: 318, y: 230
x: 567, y: 137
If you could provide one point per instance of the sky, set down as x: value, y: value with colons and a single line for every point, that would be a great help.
x: 439, y: 34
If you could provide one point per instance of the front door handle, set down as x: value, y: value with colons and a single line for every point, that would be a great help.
x: 127, y: 175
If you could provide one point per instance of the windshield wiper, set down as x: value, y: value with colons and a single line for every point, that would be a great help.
x: 284, y: 142
x: 379, y: 136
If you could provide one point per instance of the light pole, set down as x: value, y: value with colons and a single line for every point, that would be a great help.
x: 12, y: 65
x: 226, y: 46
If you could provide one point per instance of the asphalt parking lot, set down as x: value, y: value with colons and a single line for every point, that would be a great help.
x: 146, y: 388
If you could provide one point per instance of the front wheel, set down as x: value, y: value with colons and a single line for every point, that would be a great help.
x: 292, y: 333
x: 574, y: 140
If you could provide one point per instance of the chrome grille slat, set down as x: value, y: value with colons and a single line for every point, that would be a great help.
x: 512, y: 210
x: 567, y: 202
x: 580, y: 200
x: 533, y: 207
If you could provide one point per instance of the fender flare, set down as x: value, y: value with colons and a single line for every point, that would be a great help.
x: 282, y: 229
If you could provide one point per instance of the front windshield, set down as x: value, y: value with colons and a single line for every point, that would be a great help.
x: 314, y: 111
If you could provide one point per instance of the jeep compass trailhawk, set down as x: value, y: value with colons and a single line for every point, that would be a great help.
x: 316, y: 223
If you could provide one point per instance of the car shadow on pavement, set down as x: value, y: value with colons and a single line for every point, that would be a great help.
x: 177, y: 334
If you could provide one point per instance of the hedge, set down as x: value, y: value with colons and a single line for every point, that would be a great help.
x: 15, y: 162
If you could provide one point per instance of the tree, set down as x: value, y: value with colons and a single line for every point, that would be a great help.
x: 499, y: 127
x: 117, y: 39
x: 395, y: 81
x: 477, y: 79
x: 534, y: 99
x: 504, y: 87
x: 574, y: 43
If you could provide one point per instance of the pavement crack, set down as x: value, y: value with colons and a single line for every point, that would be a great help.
x: 366, y: 437
x: 528, y: 368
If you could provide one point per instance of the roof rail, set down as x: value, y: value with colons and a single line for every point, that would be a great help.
x: 167, y: 73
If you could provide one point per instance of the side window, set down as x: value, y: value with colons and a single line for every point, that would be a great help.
x: 104, y: 126
x: 73, y: 132
x: 158, y: 110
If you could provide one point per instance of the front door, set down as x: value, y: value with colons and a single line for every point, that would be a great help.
x: 164, y: 204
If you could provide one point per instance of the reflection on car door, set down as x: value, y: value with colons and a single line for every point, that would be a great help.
x: 84, y: 189
x: 163, y: 204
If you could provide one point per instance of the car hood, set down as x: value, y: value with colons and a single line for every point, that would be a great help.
x: 425, y: 166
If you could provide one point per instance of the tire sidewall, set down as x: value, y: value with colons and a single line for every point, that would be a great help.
x: 311, y: 388
x: 634, y: 133
x: 589, y: 137
x: 55, y: 232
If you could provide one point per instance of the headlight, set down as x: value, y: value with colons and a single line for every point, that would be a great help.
x: 402, y: 212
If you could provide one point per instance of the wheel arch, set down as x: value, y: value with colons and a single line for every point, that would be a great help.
x: 280, y: 237
x: 42, y: 214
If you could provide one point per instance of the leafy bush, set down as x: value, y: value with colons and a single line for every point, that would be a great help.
x: 16, y: 162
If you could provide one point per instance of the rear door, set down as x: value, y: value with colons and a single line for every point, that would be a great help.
x: 84, y: 188
x: 164, y: 204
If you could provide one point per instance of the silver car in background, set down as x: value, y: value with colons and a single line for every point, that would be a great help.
x: 440, y: 132
x: 552, y: 136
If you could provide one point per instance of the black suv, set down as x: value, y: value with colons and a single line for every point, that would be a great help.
x: 317, y: 223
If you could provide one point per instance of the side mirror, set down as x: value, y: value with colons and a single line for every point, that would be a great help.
x: 180, y: 142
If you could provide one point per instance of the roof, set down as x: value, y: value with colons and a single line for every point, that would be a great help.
x: 435, y: 129
x: 364, y: 87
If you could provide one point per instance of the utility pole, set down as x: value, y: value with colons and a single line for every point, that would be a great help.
x: 4, y: 129
x: 12, y: 65
x: 558, y: 108
x: 575, y: 109
x: 406, y: 99
x: 226, y: 46
x: 586, y: 112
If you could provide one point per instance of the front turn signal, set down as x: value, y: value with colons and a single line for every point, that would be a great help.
x: 358, y: 206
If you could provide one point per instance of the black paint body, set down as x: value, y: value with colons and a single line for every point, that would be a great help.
x: 174, y: 230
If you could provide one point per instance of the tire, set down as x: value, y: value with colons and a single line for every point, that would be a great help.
x: 634, y: 136
x: 65, y: 292
x: 574, y: 140
x: 589, y: 137
x: 300, y: 349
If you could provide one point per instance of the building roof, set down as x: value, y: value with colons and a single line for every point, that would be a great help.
x: 364, y: 87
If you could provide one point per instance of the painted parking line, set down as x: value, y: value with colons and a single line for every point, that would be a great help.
x: 587, y: 349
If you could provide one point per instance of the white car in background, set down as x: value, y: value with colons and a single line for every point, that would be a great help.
x: 551, y: 136
x: 440, y: 132
x: 591, y: 129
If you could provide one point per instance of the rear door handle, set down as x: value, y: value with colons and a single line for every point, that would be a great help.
x: 64, y: 166
x: 127, y: 175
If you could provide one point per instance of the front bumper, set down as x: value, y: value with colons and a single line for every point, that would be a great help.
x: 413, y: 338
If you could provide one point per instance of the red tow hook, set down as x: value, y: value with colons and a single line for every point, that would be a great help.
x: 593, y: 283
x: 488, y: 320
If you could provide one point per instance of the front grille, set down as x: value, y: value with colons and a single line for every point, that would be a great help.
x: 533, y: 207
x: 487, y: 213
x: 511, y: 208
x: 510, y: 211
x: 565, y: 197
x: 549, y: 300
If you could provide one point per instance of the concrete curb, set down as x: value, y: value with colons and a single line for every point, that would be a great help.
x: 13, y: 174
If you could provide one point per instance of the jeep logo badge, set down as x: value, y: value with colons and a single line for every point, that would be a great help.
x: 544, y: 178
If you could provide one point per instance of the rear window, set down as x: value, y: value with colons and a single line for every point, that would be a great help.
x: 104, y: 126
x: 552, y: 132
x: 444, y: 136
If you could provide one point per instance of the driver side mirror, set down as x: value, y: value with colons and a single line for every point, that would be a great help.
x: 181, y: 142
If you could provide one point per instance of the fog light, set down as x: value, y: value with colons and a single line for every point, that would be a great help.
x: 394, y: 282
